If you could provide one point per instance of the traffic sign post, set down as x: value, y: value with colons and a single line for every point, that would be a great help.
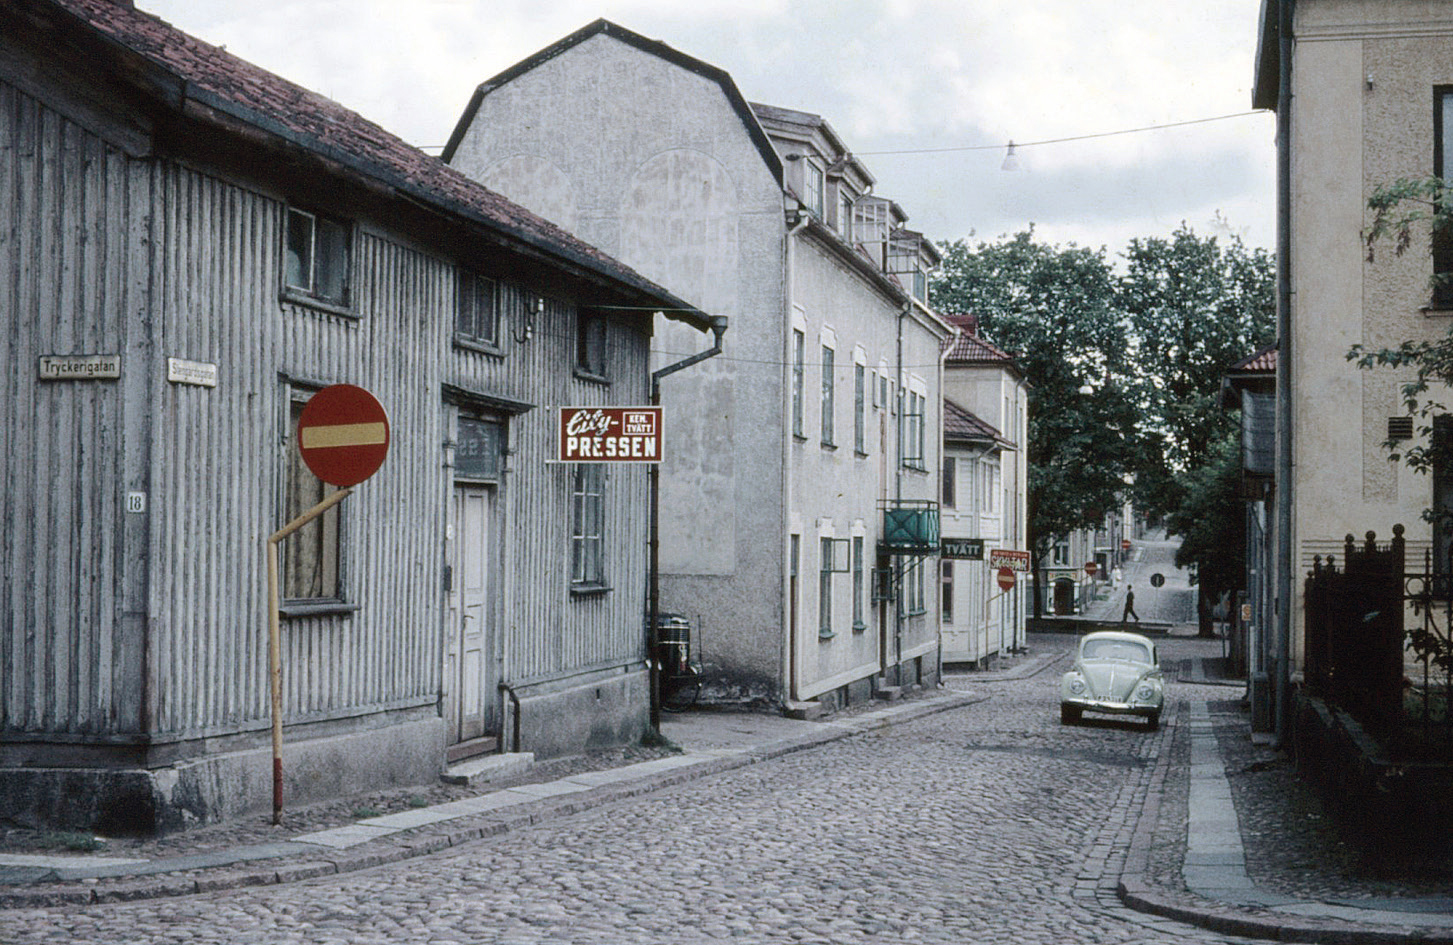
x: 343, y: 436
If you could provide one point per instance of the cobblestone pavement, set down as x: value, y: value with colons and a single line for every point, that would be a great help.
x: 988, y: 823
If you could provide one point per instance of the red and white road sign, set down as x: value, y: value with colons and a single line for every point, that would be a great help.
x: 343, y: 435
x: 1091, y: 567
x: 1005, y: 577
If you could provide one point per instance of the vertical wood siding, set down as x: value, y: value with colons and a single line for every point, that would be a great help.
x: 153, y: 260
x: 67, y: 196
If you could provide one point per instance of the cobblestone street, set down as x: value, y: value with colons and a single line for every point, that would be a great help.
x: 988, y: 823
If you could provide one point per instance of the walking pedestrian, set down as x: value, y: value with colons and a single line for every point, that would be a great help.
x: 1129, y: 605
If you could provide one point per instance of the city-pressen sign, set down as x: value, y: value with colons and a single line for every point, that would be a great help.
x: 609, y: 435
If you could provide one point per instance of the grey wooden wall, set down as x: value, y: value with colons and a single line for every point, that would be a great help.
x: 151, y: 260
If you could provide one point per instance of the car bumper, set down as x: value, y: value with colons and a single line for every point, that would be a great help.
x: 1114, y: 708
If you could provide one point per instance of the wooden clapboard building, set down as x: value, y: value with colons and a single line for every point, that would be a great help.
x: 192, y: 247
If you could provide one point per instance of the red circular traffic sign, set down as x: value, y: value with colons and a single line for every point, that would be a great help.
x: 343, y: 434
x: 1091, y: 567
x: 1005, y: 577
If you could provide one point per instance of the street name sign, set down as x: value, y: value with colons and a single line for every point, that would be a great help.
x: 343, y: 434
x: 609, y: 435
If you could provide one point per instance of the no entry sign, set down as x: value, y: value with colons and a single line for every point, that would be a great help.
x: 343, y: 435
x: 1005, y: 577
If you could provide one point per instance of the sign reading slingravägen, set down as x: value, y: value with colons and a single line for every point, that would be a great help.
x: 609, y: 435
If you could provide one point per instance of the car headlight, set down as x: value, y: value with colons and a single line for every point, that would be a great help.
x: 1077, y: 686
x: 1145, y: 693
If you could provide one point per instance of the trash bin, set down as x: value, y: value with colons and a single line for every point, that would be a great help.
x: 673, y: 644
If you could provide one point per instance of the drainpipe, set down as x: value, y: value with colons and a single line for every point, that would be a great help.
x: 718, y: 329
x: 796, y: 221
x: 898, y: 498
x: 1285, y: 579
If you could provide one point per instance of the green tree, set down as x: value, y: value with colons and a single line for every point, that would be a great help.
x: 1124, y: 368
x: 1211, y: 522
x: 1053, y: 308
x: 1196, y: 305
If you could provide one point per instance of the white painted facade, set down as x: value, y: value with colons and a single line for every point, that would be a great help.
x: 1369, y: 79
x: 770, y: 513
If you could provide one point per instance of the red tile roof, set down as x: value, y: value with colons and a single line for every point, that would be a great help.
x: 214, y: 78
x: 963, y: 425
x: 1262, y: 362
x: 969, y: 348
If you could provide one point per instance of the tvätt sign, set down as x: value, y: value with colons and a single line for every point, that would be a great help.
x: 609, y: 435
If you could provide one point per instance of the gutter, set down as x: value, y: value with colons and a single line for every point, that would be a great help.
x: 1284, y: 464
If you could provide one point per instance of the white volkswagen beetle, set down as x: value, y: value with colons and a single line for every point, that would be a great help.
x: 1114, y: 672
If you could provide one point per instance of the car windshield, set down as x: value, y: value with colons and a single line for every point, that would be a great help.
x: 1127, y: 650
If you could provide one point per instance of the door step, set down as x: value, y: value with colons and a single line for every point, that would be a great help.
x: 804, y: 711
x: 482, y: 770
x: 487, y: 745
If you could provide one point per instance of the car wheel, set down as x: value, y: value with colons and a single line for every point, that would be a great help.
x: 1069, y: 714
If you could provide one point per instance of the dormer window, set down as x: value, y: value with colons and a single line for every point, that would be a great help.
x: 812, y: 188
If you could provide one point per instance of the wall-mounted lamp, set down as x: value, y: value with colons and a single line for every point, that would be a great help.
x: 1011, y: 160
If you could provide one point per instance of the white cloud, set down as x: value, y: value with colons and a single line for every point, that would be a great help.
x: 887, y: 74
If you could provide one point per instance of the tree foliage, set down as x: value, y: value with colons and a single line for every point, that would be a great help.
x: 1124, y: 362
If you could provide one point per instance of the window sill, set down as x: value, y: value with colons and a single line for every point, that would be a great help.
x: 914, y: 467
x: 1437, y: 309
x: 295, y: 297
x: 589, y: 590
x: 583, y: 375
x: 825, y: 635
x: 322, y: 608
x: 860, y: 454
x: 799, y: 437
x: 465, y: 343
x: 859, y: 627
x: 827, y: 445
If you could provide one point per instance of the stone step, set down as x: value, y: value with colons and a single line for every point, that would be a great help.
x: 486, y: 768
x: 804, y: 711
x: 888, y: 693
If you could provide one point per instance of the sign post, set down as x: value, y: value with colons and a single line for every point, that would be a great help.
x: 343, y: 436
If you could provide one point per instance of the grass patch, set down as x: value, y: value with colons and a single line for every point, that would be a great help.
x: 72, y: 841
x: 363, y: 813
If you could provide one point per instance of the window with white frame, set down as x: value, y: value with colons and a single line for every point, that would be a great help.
x: 1060, y: 554
x: 824, y: 589
x: 858, y: 580
x: 587, y: 540
x: 310, y: 559
x: 948, y: 496
x: 946, y: 579
x: 476, y: 310
x: 914, y: 429
x: 812, y: 188
x: 317, y: 258
x: 860, y: 408
x: 590, y: 344
x: 799, y: 379
x: 829, y: 395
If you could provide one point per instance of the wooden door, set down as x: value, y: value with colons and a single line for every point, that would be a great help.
x: 471, y: 675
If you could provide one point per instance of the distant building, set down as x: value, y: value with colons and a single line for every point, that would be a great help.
x: 193, y: 248
x: 820, y: 424
x: 986, y: 473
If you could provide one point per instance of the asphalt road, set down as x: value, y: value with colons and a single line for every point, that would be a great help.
x: 1173, y: 602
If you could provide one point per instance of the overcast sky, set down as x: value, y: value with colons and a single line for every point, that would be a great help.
x: 888, y: 75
